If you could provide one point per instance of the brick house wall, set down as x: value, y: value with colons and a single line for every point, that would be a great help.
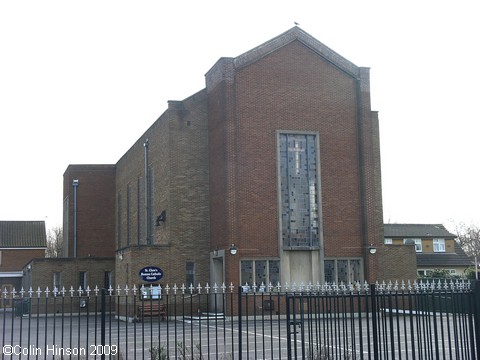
x: 15, y: 259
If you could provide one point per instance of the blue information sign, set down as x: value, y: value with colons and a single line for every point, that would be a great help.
x: 151, y: 273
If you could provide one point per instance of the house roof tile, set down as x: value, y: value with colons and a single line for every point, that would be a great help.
x: 417, y: 231
x: 22, y: 234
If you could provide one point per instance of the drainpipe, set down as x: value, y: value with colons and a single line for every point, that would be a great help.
x: 75, y: 186
x: 147, y: 230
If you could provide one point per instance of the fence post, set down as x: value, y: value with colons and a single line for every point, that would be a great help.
x: 102, y: 323
x: 476, y: 314
x: 240, y: 322
x: 289, y: 334
x: 373, y: 309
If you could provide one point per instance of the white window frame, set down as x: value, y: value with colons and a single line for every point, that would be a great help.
x: 418, y: 244
x: 438, y: 245
x: 388, y: 241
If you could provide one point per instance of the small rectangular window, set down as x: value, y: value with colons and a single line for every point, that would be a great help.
x: 57, y: 280
x: 388, y: 242
x: 190, y: 273
x: 108, y: 279
x: 82, y: 280
x: 438, y: 245
x: 246, y: 275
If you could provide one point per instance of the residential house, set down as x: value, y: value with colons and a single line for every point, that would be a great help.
x: 435, y: 247
x: 20, y: 242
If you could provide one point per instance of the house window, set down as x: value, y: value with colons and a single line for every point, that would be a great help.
x: 438, y: 245
x: 388, y: 242
x: 299, y: 191
x: 343, y: 270
x: 57, y: 280
x: 0, y: 258
x: 190, y: 273
x: 82, y: 279
x: 260, y: 272
x: 417, y: 242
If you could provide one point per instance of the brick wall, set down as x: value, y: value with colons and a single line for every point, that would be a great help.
x: 212, y: 163
x: 42, y: 271
x: 95, y: 210
x: 178, y: 163
x: 292, y: 89
x: 396, y: 262
x: 14, y: 260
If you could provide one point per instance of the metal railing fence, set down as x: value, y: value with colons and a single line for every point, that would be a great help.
x: 419, y: 320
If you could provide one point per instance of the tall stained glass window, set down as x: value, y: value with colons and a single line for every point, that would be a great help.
x: 299, y: 191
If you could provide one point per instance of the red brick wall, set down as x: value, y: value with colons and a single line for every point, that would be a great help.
x: 293, y: 89
x: 95, y: 210
x: 14, y: 260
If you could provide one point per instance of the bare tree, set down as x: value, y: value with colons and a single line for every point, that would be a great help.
x: 469, y: 239
x: 54, y: 242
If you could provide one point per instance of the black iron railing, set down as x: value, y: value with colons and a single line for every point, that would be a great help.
x: 425, y: 320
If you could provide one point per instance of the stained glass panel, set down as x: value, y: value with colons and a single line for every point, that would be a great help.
x: 299, y: 190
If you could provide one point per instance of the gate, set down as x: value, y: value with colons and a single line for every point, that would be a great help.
x: 420, y: 321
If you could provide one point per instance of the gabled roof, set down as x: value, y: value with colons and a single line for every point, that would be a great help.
x: 417, y: 231
x: 22, y: 234
x: 287, y: 37
x: 225, y: 67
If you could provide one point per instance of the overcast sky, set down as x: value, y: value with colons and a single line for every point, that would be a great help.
x: 81, y: 81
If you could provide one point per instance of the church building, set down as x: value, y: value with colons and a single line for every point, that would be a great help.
x: 270, y: 174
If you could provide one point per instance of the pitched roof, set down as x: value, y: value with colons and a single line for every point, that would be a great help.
x: 416, y: 231
x: 459, y: 258
x: 287, y: 37
x: 22, y: 234
x: 225, y: 67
